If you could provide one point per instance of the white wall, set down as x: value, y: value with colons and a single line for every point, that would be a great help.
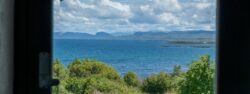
x: 6, y: 45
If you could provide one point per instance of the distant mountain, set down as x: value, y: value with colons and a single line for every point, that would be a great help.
x: 103, y: 34
x: 193, y: 32
x: 174, y: 35
x: 151, y: 35
x: 72, y: 35
x: 121, y: 33
x: 148, y: 33
x: 174, y: 32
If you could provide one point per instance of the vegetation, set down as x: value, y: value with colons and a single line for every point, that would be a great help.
x: 157, y: 84
x: 95, y: 84
x: 61, y: 73
x: 177, y: 71
x: 131, y: 79
x: 199, y: 78
x: 86, y: 68
x: 94, y: 77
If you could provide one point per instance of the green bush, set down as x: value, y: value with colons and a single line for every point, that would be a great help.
x: 156, y: 84
x: 94, y: 77
x: 176, y: 76
x: 91, y: 76
x: 94, y: 84
x: 199, y: 78
x: 177, y: 70
x: 60, y: 89
x: 59, y: 72
x: 131, y: 79
x: 89, y: 67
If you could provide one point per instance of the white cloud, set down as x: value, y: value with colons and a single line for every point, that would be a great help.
x: 127, y: 16
x: 102, y: 9
x: 166, y: 5
x: 158, y: 11
x: 202, y: 5
x: 81, y: 15
x: 168, y: 18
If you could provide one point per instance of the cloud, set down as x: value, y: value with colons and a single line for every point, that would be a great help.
x: 136, y: 15
x: 166, y: 5
x: 158, y: 11
x: 99, y: 9
x: 168, y: 18
x: 82, y: 15
x: 202, y: 5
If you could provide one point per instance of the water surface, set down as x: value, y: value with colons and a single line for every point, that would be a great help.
x: 141, y: 56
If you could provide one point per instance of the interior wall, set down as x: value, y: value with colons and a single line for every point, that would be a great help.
x: 6, y: 46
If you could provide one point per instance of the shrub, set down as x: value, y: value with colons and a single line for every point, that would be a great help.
x: 176, y: 77
x: 177, y: 70
x: 199, y: 77
x: 131, y: 79
x: 91, y: 76
x: 94, y: 84
x: 94, y: 77
x: 59, y: 71
x: 156, y: 84
x: 88, y: 68
x: 60, y: 89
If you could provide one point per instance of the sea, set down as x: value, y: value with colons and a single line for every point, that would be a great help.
x: 144, y: 57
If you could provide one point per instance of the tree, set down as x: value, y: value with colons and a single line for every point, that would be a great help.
x: 101, y: 85
x: 89, y: 67
x: 199, y: 78
x: 175, y: 78
x: 74, y: 68
x: 156, y: 84
x: 131, y: 79
x: 177, y: 70
x: 91, y: 77
x: 59, y: 72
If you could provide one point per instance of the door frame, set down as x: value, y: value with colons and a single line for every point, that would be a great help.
x: 32, y: 36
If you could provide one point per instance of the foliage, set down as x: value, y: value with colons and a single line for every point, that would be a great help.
x: 177, y: 70
x: 176, y: 77
x: 98, y: 84
x: 131, y: 79
x: 59, y: 71
x: 199, y: 78
x: 60, y: 89
x: 95, y: 77
x: 90, y: 76
x: 156, y: 84
x: 89, y: 67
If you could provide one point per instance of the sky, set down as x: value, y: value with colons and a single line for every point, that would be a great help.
x: 127, y: 16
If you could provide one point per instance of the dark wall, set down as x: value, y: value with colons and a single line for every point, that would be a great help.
x: 33, y: 25
x: 6, y: 46
x: 234, y: 47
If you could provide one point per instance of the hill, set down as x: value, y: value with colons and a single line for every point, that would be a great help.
x: 151, y: 35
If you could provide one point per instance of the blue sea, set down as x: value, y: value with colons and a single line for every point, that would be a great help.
x: 145, y: 57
